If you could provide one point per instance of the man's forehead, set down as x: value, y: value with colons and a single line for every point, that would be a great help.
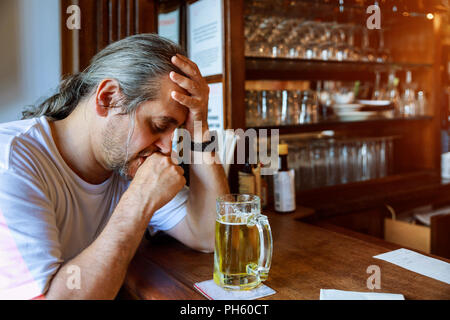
x: 161, y: 112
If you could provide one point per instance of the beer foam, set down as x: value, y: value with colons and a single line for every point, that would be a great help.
x: 242, y: 217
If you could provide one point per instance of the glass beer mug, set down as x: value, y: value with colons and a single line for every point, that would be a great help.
x: 243, y: 248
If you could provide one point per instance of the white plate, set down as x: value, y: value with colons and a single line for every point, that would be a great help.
x: 356, y: 115
x: 375, y: 102
x: 347, y: 107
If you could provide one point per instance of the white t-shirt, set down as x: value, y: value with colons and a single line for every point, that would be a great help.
x: 48, y: 214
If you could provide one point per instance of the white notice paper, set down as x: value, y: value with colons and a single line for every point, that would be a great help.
x: 169, y: 25
x: 213, y: 292
x: 204, y: 35
x: 215, y: 107
x: 329, y: 294
x: 416, y: 262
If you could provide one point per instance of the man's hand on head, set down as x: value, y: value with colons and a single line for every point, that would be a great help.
x: 197, y: 100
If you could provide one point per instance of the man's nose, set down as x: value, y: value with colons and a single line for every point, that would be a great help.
x: 164, y: 143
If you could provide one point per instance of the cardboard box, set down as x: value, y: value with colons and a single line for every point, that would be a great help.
x: 408, y: 234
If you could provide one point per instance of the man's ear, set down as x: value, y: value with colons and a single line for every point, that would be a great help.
x: 107, y: 96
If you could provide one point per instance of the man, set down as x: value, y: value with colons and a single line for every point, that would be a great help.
x: 66, y: 200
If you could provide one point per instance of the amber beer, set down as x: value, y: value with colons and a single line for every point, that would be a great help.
x: 243, y: 245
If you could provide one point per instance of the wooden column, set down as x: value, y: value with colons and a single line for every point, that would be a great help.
x: 102, y: 22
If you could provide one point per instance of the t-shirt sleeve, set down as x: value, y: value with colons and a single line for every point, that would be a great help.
x: 30, y: 252
x: 171, y: 214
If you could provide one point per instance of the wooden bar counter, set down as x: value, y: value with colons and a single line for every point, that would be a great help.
x: 306, y: 258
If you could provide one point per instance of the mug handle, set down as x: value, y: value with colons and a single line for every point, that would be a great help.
x: 265, y: 249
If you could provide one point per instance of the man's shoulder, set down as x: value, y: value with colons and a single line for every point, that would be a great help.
x: 19, y: 139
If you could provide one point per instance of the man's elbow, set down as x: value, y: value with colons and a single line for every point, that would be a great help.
x: 208, y: 250
x: 205, y: 246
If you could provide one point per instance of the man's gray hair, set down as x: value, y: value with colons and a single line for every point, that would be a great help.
x: 137, y: 62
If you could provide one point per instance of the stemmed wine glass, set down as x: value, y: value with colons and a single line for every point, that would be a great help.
x: 383, y: 53
x: 368, y: 54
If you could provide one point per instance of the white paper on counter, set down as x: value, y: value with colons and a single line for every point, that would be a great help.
x: 213, y: 292
x: 331, y: 294
x: 204, y: 36
x: 419, y: 263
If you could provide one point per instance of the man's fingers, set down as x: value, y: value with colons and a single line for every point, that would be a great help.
x: 188, y: 68
x: 185, y: 100
x: 179, y: 170
x: 191, y: 86
x: 160, y: 159
x: 188, y: 61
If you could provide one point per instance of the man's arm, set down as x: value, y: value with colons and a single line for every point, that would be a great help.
x: 104, y: 263
x: 207, y: 182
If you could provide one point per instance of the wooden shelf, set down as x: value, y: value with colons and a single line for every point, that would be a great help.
x: 301, y: 69
x: 336, y: 124
x: 405, y: 189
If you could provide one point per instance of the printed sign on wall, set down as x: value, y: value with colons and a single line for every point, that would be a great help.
x: 204, y: 36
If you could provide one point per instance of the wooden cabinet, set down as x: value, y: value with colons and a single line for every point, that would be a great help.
x: 415, y: 44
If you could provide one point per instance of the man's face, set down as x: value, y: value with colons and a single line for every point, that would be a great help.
x: 153, y: 130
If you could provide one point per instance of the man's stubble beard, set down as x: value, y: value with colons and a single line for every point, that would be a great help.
x: 115, y: 147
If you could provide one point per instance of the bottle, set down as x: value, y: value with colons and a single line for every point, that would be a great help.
x: 284, y: 183
x: 392, y: 91
x: 409, y: 107
x: 247, y: 181
x: 421, y: 103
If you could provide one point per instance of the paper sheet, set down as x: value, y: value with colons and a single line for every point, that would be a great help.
x: 213, y: 292
x: 204, y: 35
x: 215, y: 106
x: 330, y: 294
x: 416, y: 262
x: 169, y: 25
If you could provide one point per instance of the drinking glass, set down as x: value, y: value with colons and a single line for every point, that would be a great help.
x: 381, y: 155
x: 408, y: 104
x: 274, y: 106
x: 344, y: 163
x: 312, y: 40
x: 372, y: 158
x: 354, y: 51
x: 294, y: 106
x: 328, y: 42
x: 342, y: 49
x: 368, y: 54
x: 383, y: 54
x: 263, y: 107
x: 254, y: 106
x: 306, y: 174
x: 332, y: 163
x: 309, y: 109
x: 320, y: 164
x: 284, y: 110
x: 243, y: 243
